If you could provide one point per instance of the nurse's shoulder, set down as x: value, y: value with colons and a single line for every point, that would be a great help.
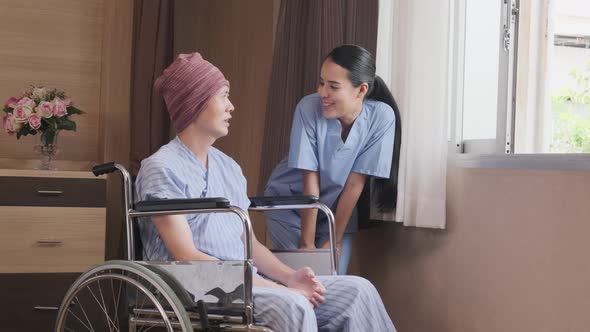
x: 310, y: 106
x: 380, y: 113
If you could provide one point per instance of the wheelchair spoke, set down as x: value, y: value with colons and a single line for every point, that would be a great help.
x: 104, y: 305
x: 116, y: 300
x: 78, y: 318
x: 149, y: 328
x: 84, y: 312
x: 109, y: 321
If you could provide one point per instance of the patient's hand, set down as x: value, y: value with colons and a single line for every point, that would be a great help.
x: 305, y: 282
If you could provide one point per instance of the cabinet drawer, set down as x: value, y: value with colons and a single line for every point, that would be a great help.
x: 39, y: 191
x: 51, y: 239
x: 30, y: 301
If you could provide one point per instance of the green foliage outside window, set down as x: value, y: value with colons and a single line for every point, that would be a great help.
x: 571, y: 115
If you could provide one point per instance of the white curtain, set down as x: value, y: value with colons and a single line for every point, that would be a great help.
x: 413, y: 50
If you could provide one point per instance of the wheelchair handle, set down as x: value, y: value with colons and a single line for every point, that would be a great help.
x: 104, y: 169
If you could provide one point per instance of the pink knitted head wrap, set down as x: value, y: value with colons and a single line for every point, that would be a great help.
x: 187, y: 85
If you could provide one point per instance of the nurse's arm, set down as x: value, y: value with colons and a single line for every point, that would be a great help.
x: 311, y: 186
x: 348, y: 198
x: 177, y: 236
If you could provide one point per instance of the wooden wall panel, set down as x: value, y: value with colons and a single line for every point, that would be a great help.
x: 56, y: 43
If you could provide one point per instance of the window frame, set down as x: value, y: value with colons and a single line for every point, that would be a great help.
x: 498, y: 152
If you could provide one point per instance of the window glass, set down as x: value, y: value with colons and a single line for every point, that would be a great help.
x: 480, y: 92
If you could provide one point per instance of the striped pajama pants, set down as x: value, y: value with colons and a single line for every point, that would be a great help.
x: 352, y: 304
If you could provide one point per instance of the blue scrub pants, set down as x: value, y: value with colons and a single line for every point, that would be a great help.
x: 345, y: 253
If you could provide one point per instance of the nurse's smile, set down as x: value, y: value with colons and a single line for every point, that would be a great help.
x: 327, y: 105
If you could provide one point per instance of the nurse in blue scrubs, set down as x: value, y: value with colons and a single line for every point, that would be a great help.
x: 341, y: 135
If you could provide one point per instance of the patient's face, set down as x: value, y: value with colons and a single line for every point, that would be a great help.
x: 215, y: 118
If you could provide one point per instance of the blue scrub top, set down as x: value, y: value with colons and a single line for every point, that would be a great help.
x: 316, y: 145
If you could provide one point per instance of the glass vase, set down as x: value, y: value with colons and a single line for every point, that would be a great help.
x: 47, y: 147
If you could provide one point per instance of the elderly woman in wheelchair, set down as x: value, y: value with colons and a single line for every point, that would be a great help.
x: 284, y: 299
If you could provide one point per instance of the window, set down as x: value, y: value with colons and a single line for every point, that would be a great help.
x: 524, y: 82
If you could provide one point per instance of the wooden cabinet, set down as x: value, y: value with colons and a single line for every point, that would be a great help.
x: 52, y: 228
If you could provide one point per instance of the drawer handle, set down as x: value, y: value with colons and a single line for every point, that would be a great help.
x: 49, y: 242
x: 50, y: 192
x: 44, y: 308
x: 41, y: 308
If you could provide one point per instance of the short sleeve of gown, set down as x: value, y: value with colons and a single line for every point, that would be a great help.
x: 157, y: 181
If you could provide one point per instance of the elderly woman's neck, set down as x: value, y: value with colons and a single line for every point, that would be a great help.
x: 198, y: 144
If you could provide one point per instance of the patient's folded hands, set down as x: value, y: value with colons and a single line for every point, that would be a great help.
x: 305, y: 282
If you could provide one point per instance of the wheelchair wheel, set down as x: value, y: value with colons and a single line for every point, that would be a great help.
x: 121, y: 296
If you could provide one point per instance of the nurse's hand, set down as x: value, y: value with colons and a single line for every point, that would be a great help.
x: 326, y: 245
x: 304, y: 282
x: 303, y: 246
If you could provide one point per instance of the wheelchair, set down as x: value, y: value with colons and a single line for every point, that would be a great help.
x: 136, y: 295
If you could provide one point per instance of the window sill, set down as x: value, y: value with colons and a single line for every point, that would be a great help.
x: 573, y: 161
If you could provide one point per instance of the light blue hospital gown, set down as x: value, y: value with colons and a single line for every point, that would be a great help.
x: 352, y: 303
x: 316, y: 145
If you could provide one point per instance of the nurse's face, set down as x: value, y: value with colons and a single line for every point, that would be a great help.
x: 214, y: 121
x: 340, y: 100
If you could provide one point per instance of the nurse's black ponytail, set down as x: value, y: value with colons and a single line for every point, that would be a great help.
x: 361, y: 69
x: 385, y: 190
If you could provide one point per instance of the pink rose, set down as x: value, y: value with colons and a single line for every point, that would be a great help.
x: 21, y: 113
x: 35, y: 121
x: 59, y: 108
x: 10, y: 125
x: 67, y: 101
x: 45, y: 109
x: 11, y: 102
x: 26, y: 102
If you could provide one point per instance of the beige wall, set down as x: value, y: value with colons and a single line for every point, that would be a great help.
x: 514, y: 256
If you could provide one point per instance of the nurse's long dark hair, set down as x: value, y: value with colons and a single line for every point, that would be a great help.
x: 361, y: 69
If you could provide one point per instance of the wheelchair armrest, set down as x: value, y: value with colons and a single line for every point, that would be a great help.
x: 182, y: 204
x: 261, y: 201
x: 104, y: 168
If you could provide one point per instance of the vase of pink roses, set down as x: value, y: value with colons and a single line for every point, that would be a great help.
x: 43, y: 111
